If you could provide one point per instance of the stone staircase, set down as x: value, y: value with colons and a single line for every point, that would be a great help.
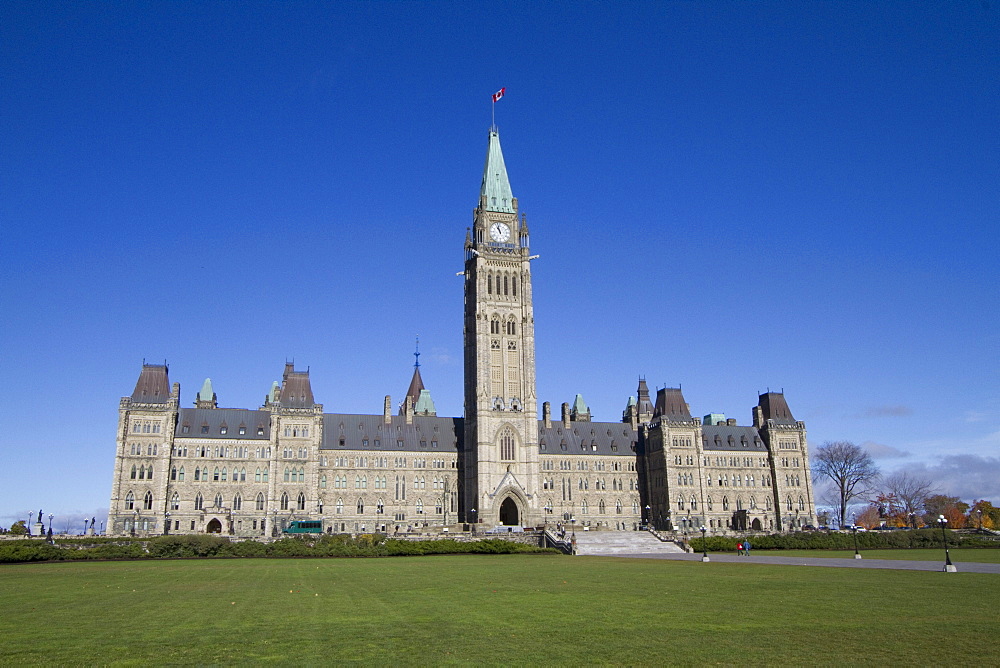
x: 621, y: 542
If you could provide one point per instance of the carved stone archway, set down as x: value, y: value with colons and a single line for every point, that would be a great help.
x: 509, y: 512
x: 214, y: 526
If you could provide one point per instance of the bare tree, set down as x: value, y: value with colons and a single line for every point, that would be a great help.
x: 910, y: 492
x: 848, y: 467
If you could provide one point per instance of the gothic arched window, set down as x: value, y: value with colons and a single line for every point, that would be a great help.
x: 129, y: 501
x: 259, y: 505
x: 301, y: 501
x: 147, y: 501
x: 507, y: 445
x: 284, y: 501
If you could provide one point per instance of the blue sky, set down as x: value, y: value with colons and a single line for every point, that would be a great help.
x: 727, y: 196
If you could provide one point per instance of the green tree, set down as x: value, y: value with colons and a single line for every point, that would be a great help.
x: 18, y: 528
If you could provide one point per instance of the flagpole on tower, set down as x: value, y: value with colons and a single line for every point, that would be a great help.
x: 496, y: 96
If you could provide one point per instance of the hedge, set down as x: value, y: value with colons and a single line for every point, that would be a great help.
x: 835, y: 540
x: 175, y: 547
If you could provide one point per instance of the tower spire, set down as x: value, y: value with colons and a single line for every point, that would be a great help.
x: 416, y: 355
x: 496, y: 187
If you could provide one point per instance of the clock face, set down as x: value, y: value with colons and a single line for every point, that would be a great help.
x: 499, y: 232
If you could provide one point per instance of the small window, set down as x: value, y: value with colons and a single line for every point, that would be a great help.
x: 243, y: 429
x: 204, y: 428
x: 186, y: 429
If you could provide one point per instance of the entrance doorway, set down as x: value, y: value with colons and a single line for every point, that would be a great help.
x: 508, y: 512
x: 215, y: 526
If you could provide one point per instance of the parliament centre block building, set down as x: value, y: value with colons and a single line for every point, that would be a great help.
x: 508, y: 462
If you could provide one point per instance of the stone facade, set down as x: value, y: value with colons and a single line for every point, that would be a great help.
x: 249, y: 472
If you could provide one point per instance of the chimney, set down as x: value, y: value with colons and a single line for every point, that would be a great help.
x: 547, y: 414
x: 387, y: 410
x: 731, y: 422
x: 565, y: 415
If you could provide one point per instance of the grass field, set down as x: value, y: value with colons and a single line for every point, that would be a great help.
x: 494, y: 610
x: 983, y: 556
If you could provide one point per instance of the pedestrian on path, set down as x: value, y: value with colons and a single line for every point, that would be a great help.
x: 746, y: 548
x: 739, y: 549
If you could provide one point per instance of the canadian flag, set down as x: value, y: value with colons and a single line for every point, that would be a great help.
x: 499, y: 94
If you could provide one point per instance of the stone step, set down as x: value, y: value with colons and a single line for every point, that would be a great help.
x: 621, y: 542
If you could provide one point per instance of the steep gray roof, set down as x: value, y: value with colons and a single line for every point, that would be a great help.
x: 775, y: 408
x: 198, y: 419
x: 724, y: 437
x: 670, y: 405
x: 343, y: 431
x: 587, y: 438
x: 153, y: 386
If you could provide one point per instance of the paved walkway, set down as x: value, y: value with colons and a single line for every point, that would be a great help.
x: 828, y: 562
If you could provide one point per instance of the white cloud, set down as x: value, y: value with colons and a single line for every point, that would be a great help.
x: 882, y: 451
x: 441, y: 356
x: 963, y: 475
x: 886, y: 411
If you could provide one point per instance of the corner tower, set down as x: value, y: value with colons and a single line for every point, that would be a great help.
x: 500, y: 458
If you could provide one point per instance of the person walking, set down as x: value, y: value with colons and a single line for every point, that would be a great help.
x: 746, y: 548
x: 739, y: 549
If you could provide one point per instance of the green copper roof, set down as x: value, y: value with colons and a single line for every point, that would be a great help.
x: 425, y: 405
x: 496, y: 187
x: 206, y: 393
x: 579, y: 406
x: 272, y: 396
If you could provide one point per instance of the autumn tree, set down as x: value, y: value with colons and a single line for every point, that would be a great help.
x: 906, y: 493
x: 849, y: 468
x: 952, y: 507
x: 870, y: 517
x: 984, y: 515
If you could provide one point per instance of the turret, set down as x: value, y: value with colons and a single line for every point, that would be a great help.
x: 206, y: 397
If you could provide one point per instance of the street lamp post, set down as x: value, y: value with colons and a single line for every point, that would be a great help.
x: 704, y: 544
x: 854, y: 530
x: 948, y: 566
x: 649, y: 516
x: 913, y: 520
x: 980, y: 511
x: 472, y: 511
x: 166, y: 523
x: 135, y: 520
x: 50, y: 523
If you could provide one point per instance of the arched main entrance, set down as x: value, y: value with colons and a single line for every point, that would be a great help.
x: 215, y: 526
x: 508, y: 512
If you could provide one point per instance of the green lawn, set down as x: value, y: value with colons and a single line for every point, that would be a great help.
x: 526, y: 610
x: 985, y: 556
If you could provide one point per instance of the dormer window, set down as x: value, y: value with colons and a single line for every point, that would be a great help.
x: 185, y: 428
x: 243, y: 430
x: 224, y: 429
x: 204, y: 428
x: 260, y: 430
